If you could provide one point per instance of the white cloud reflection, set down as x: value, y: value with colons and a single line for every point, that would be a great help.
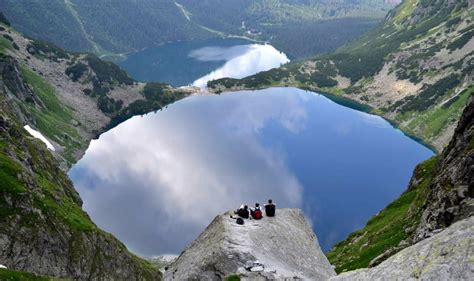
x: 241, y: 61
x: 156, y: 181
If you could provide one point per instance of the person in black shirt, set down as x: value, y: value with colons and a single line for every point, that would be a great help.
x: 243, y: 212
x: 270, y: 209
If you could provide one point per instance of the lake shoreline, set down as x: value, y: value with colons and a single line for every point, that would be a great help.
x: 339, y: 99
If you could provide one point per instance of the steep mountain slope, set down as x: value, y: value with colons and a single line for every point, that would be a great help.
x: 440, y: 193
x: 415, y: 69
x: 102, y: 26
x: 291, y: 25
x: 69, y: 98
x: 42, y: 227
x: 123, y: 26
x: 72, y: 98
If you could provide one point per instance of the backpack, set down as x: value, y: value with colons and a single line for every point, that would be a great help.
x: 257, y: 214
x: 239, y: 221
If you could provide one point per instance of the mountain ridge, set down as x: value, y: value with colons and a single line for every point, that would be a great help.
x: 97, y: 26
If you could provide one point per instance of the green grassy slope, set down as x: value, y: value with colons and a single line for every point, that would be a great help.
x: 13, y: 275
x: 55, y: 119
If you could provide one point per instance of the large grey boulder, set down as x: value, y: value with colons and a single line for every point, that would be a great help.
x: 285, y: 246
x: 448, y: 255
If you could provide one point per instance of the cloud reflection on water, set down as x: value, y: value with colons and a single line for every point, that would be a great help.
x: 156, y: 181
x: 241, y: 61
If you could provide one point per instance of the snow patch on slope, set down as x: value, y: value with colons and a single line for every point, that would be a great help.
x: 39, y: 136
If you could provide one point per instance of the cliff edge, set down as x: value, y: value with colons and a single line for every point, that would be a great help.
x: 277, y: 247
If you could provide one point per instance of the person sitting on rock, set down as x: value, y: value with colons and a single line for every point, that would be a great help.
x: 243, y: 212
x: 270, y: 208
x: 256, y: 212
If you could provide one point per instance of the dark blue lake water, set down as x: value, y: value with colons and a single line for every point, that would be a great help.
x: 157, y: 181
x: 182, y: 63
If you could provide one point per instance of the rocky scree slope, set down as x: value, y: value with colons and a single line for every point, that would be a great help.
x: 439, y: 194
x: 69, y: 98
x: 415, y: 69
x: 285, y: 245
x: 72, y: 98
x: 448, y: 255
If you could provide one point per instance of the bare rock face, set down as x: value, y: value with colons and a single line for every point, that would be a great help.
x: 280, y: 247
x: 451, y: 195
x: 448, y: 255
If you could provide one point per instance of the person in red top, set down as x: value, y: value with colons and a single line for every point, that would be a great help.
x: 257, y: 212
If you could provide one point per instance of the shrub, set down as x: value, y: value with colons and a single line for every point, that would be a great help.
x: 87, y: 92
x: 109, y: 105
x: 108, y: 72
x: 76, y: 71
x: 8, y: 37
x: 153, y: 91
x: 453, y: 22
x: 323, y: 80
x: 45, y: 49
x: 428, y: 95
x: 461, y: 41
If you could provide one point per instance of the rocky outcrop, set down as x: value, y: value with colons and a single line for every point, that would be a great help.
x: 451, y: 195
x: 448, y: 255
x: 277, y: 247
x: 12, y: 83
